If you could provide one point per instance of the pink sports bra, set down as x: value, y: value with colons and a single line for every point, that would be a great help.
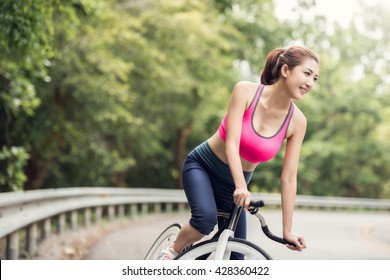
x: 254, y: 147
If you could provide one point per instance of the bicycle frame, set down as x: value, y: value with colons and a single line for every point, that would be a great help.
x: 222, y: 253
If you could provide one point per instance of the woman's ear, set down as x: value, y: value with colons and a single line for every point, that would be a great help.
x: 284, y: 70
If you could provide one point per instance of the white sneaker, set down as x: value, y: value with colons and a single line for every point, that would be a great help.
x: 168, y: 254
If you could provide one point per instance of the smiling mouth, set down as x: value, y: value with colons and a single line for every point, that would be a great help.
x: 303, y: 90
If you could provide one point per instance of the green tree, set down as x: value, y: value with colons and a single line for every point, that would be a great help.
x: 341, y: 155
x: 25, y: 46
x: 115, y: 93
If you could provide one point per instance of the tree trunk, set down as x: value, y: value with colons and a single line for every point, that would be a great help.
x: 38, y: 165
x: 182, y: 136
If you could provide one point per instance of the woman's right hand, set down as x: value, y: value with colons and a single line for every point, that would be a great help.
x: 242, y: 197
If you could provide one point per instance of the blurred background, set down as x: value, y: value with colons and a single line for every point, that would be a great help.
x: 116, y: 92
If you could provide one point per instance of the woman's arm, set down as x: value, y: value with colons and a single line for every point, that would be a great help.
x: 289, y: 177
x: 237, y: 106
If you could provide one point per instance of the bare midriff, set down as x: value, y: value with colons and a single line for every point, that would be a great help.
x: 218, y: 146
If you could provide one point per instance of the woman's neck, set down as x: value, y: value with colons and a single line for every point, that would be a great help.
x: 275, y: 96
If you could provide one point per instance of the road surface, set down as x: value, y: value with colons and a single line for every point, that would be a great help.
x: 330, y: 235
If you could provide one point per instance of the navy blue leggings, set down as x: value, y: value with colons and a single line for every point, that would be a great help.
x: 208, y: 191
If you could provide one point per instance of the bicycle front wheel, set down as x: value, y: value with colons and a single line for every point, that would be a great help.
x: 163, y: 241
x: 206, y: 250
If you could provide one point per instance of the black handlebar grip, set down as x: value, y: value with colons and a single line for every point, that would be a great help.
x: 270, y: 235
x: 257, y: 204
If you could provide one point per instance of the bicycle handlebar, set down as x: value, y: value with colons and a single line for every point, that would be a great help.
x: 254, y: 210
x: 270, y: 235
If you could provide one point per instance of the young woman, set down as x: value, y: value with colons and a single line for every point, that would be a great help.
x: 216, y: 174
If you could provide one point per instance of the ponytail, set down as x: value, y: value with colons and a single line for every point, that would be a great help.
x: 276, y: 58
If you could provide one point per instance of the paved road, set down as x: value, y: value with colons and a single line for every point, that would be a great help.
x: 330, y: 236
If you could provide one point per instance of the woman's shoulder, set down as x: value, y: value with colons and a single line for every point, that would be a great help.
x: 246, y: 85
x: 245, y: 89
x: 298, y: 114
x: 298, y: 122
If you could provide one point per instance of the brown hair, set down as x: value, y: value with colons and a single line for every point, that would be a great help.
x: 276, y: 58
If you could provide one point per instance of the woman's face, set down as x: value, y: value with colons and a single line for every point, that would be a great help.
x: 300, y: 79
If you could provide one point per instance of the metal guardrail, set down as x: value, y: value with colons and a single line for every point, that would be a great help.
x: 33, y: 216
x: 26, y: 218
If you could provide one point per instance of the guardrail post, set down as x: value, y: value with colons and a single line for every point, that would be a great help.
x: 144, y: 208
x: 121, y: 211
x: 134, y: 211
x: 98, y: 214
x: 31, y: 238
x: 87, y: 217
x: 111, y: 212
x: 61, y: 223
x: 46, y: 228
x: 181, y: 207
x: 73, y: 220
x: 12, y: 252
x: 157, y: 208
x: 169, y: 207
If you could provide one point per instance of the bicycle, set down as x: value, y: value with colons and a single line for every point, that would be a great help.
x: 222, y: 243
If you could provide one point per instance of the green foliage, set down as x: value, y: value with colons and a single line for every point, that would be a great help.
x: 115, y: 93
x: 26, y: 49
x: 342, y: 154
x: 12, y: 162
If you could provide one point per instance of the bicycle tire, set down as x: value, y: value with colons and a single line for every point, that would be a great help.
x: 163, y: 241
x: 208, y: 247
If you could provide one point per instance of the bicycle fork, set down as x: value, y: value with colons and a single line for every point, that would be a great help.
x: 221, y: 252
